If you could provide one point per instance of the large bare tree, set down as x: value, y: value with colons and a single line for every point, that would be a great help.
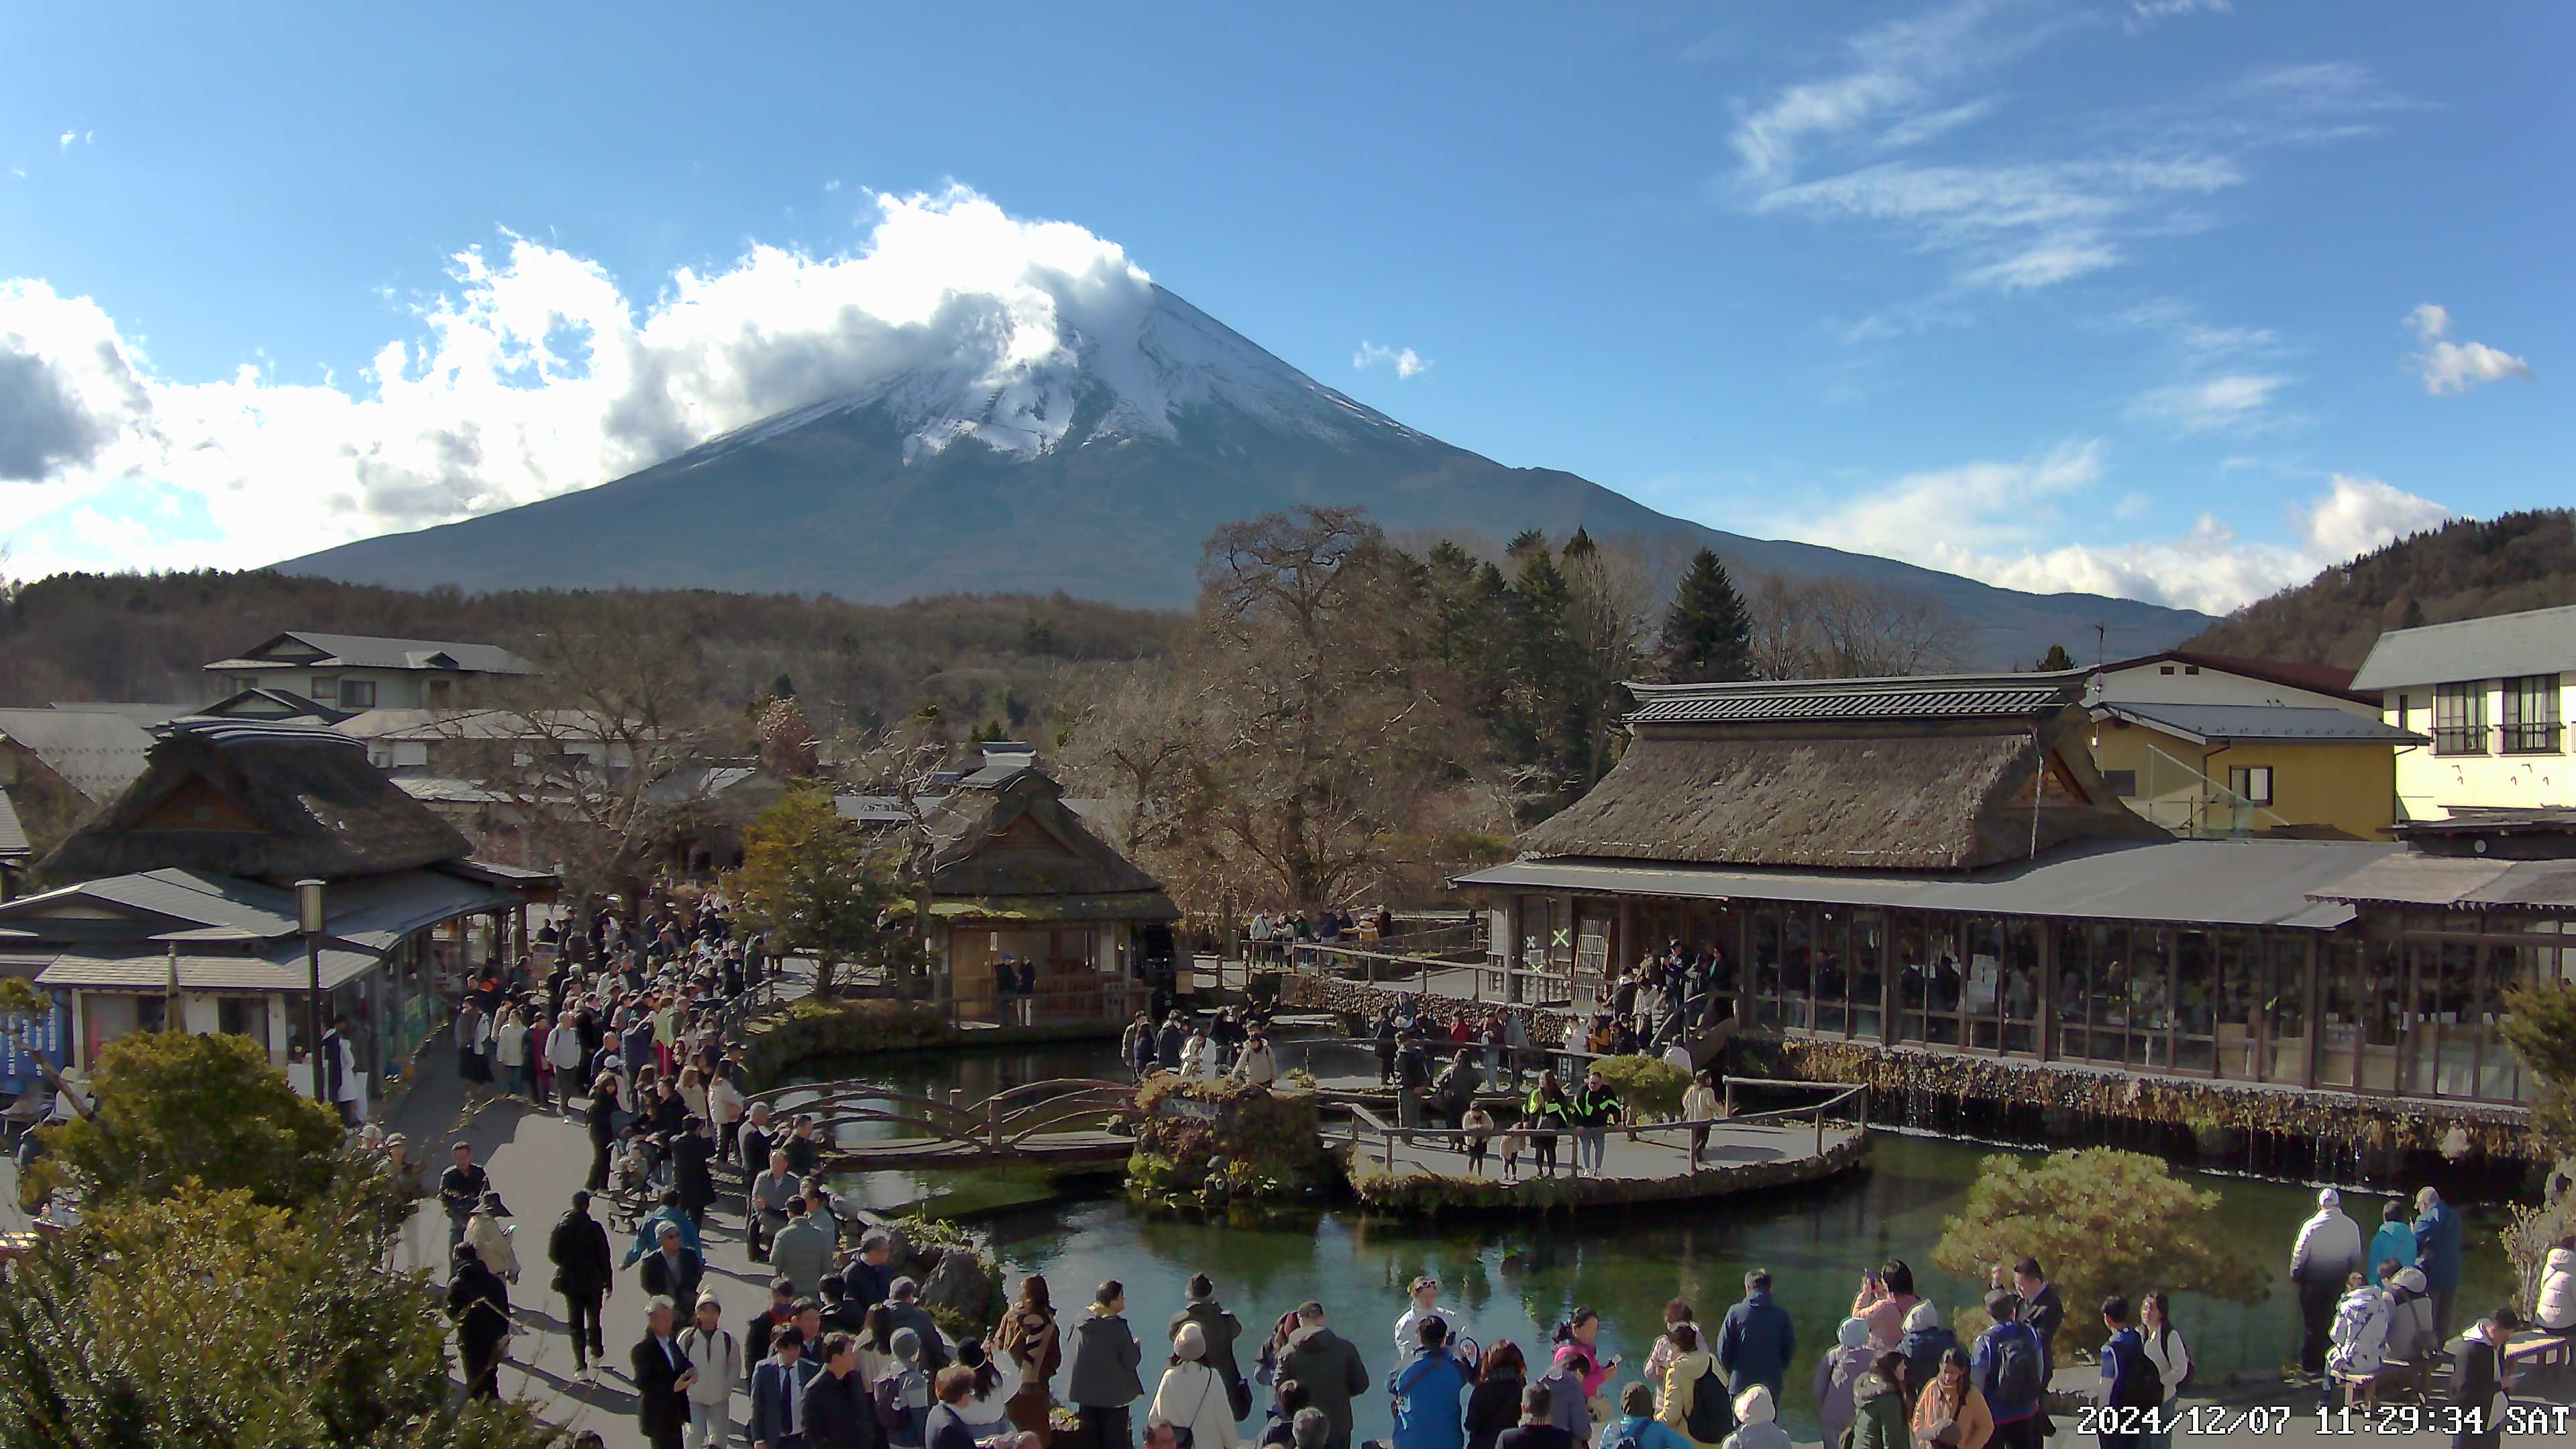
x: 605, y: 756
x: 1321, y: 729
x: 1848, y: 629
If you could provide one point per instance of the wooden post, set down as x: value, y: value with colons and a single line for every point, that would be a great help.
x: 1730, y: 1096
x: 993, y: 1122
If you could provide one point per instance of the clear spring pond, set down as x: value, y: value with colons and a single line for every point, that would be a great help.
x: 1510, y: 1279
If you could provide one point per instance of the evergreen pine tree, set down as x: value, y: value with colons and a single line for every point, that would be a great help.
x: 1708, y: 633
x: 2055, y: 659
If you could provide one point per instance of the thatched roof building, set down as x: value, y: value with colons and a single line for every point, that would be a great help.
x: 261, y: 801
x: 1004, y: 843
x: 1946, y: 773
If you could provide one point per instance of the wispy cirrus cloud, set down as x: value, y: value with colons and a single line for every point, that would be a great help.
x: 1406, y: 362
x: 2145, y: 14
x: 2229, y: 403
x: 2006, y: 209
x: 2448, y: 368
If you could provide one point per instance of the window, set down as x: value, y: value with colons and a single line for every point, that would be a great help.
x: 2460, y: 719
x: 2164, y: 669
x: 326, y: 688
x: 2531, y: 714
x: 357, y: 694
x: 2405, y: 712
x: 2191, y: 669
x: 2251, y: 784
x: 2123, y: 783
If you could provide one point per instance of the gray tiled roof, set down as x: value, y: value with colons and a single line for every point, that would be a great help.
x: 13, y: 836
x: 2215, y: 723
x: 2218, y: 882
x: 367, y: 651
x: 1977, y: 696
x: 2538, y: 641
x: 97, y: 753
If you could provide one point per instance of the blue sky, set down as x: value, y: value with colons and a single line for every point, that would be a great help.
x: 2124, y: 296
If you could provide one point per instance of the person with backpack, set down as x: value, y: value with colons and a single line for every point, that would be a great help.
x: 1427, y: 1388
x: 1494, y: 1407
x: 2172, y: 1358
x: 2129, y: 1377
x: 903, y: 1394
x: 716, y: 1354
x: 1695, y: 1395
x: 2011, y: 1373
x: 1637, y: 1427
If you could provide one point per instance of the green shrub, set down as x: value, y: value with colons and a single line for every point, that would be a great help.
x: 2101, y: 1222
x: 1651, y: 1086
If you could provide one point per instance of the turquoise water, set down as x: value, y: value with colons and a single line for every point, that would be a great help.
x: 1508, y: 1278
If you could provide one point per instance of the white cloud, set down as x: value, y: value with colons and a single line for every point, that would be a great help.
x: 1407, y: 362
x: 2146, y: 13
x: 2005, y: 522
x: 2022, y: 208
x: 2231, y: 403
x: 2448, y: 367
x: 64, y: 141
x: 833, y: 185
x: 533, y: 375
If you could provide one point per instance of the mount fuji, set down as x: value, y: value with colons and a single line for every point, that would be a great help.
x: 1091, y: 449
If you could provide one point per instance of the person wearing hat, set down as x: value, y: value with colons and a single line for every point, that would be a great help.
x: 903, y: 1395
x: 1847, y: 1360
x: 578, y: 1247
x: 671, y: 1270
x: 717, y: 1355
x: 491, y: 1239
x: 1192, y: 1396
x: 2411, y: 1338
x: 2328, y: 1251
x: 1219, y: 1331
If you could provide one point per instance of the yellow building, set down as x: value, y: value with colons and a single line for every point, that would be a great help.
x: 2213, y: 745
x: 2223, y: 770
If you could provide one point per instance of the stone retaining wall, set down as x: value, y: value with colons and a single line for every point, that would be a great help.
x: 1428, y: 1195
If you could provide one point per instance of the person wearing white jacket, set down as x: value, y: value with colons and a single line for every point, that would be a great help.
x: 2327, y: 1252
x: 716, y: 1355
x: 2556, y: 1310
x: 1256, y: 1065
x: 1190, y: 1397
x: 563, y: 1053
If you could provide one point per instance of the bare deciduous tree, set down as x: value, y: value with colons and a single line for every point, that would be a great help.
x: 1848, y: 629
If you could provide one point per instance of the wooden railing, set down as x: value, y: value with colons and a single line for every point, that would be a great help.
x: 1828, y: 1107
x: 1001, y: 1122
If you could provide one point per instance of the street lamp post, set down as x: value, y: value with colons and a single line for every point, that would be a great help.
x: 308, y: 916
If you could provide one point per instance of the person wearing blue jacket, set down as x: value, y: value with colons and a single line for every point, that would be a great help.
x: 1756, y: 1342
x: 2010, y: 1368
x: 1427, y: 1389
x: 2437, y: 1247
x: 2394, y: 1242
x: 2124, y: 1372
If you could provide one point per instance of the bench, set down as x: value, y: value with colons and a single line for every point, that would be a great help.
x: 2401, y: 1377
x: 2539, y: 1348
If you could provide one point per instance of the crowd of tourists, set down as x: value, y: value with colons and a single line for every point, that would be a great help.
x: 2384, y: 1309
x: 1271, y: 937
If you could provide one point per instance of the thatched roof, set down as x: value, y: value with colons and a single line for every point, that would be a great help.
x: 263, y: 801
x: 1893, y: 774
x: 1009, y: 834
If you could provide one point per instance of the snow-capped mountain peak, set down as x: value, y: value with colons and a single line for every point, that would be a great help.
x: 1058, y: 369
